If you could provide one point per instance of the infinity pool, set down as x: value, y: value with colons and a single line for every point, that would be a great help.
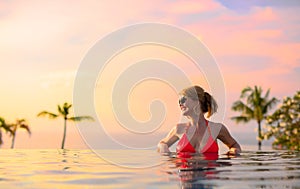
x: 85, y: 169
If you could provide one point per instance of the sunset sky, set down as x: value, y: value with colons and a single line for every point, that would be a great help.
x: 42, y: 44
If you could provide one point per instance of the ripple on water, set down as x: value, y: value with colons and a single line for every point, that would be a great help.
x: 273, y: 169
x: 84, y: 169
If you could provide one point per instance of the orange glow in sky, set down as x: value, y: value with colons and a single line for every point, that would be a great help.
x: 44, y: 42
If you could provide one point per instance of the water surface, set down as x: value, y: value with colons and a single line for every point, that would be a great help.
x: 85, y: 169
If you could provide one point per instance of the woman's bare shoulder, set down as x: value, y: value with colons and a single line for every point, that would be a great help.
x: 215, y: 128
x: 220, y: 131
x: 215, y: 124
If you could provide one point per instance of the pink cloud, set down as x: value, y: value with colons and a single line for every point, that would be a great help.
x: 259, y: 34
x: 264, y: 14
x: 192, y: 7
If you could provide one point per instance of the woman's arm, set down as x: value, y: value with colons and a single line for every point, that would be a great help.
x: 164, y: 144
x: 228, y: 140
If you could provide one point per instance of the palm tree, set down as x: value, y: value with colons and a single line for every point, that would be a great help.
x: 20, y: 123
x: 255, y: 107
x: 4, y: 126
x: 63, y: 111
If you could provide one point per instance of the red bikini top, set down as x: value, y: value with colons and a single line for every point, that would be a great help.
x: 184, y: 144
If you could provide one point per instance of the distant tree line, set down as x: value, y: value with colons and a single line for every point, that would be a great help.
x: 12, y: 128
x: 283, y: 124
x: 62, y: 111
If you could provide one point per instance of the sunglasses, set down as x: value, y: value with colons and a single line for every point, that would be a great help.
x: 182, y: 100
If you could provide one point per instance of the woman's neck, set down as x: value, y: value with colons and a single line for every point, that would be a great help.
x: 197, y: 120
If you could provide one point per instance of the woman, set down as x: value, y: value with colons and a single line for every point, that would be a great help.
x: 198, y: 135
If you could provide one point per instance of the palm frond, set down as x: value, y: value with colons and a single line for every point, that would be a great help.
x: 81, y: 118
x: 256, y: 106
x: 47, y: 114
x: 20, y: 121
x: 67, y: 107
x: 8, y: 129
x: 5, y: 126
x: 239, y: 119
x: 269, y: 104
x: 60, y: 110
x: 255, y: 97
x: 2, y: 121
x: 245, y: 91
x: 64, y: 109
x: 267, y: 94
x: 241, y: 107
x: 26, y: 127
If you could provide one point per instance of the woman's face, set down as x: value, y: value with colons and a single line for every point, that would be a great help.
x: 187, y: 105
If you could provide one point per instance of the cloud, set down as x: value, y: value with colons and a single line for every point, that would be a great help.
x: 257, y: 33
x: 58, y: 79
x: 246, y: 63
x: 192, y: 7
x: 244, y: 6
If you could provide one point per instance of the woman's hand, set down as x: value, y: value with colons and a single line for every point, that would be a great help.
x: 234, y: 151
x: 163, y: 148
x: 226, y: 138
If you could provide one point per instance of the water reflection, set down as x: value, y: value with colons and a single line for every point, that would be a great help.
x: 192, y: 170
x: 261, y: 169
x: 84, y: 169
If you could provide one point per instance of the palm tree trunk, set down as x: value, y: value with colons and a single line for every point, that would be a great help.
x: 1, y: 141
x: 64, y: 136
x: 259, y: 135
x: 13, y: 140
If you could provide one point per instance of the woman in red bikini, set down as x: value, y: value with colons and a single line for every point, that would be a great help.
x: 199, y: 135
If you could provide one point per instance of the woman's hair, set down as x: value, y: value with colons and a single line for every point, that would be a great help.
x: 207, y: 102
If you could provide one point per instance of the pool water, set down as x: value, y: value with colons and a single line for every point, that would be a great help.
x: 85, y: 169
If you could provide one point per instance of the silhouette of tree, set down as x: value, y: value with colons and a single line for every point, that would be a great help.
x: 254, y: 107
x: 284, y: 124
x: 5, y: 127
x: 63, y: 111
x: 19, y: 124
